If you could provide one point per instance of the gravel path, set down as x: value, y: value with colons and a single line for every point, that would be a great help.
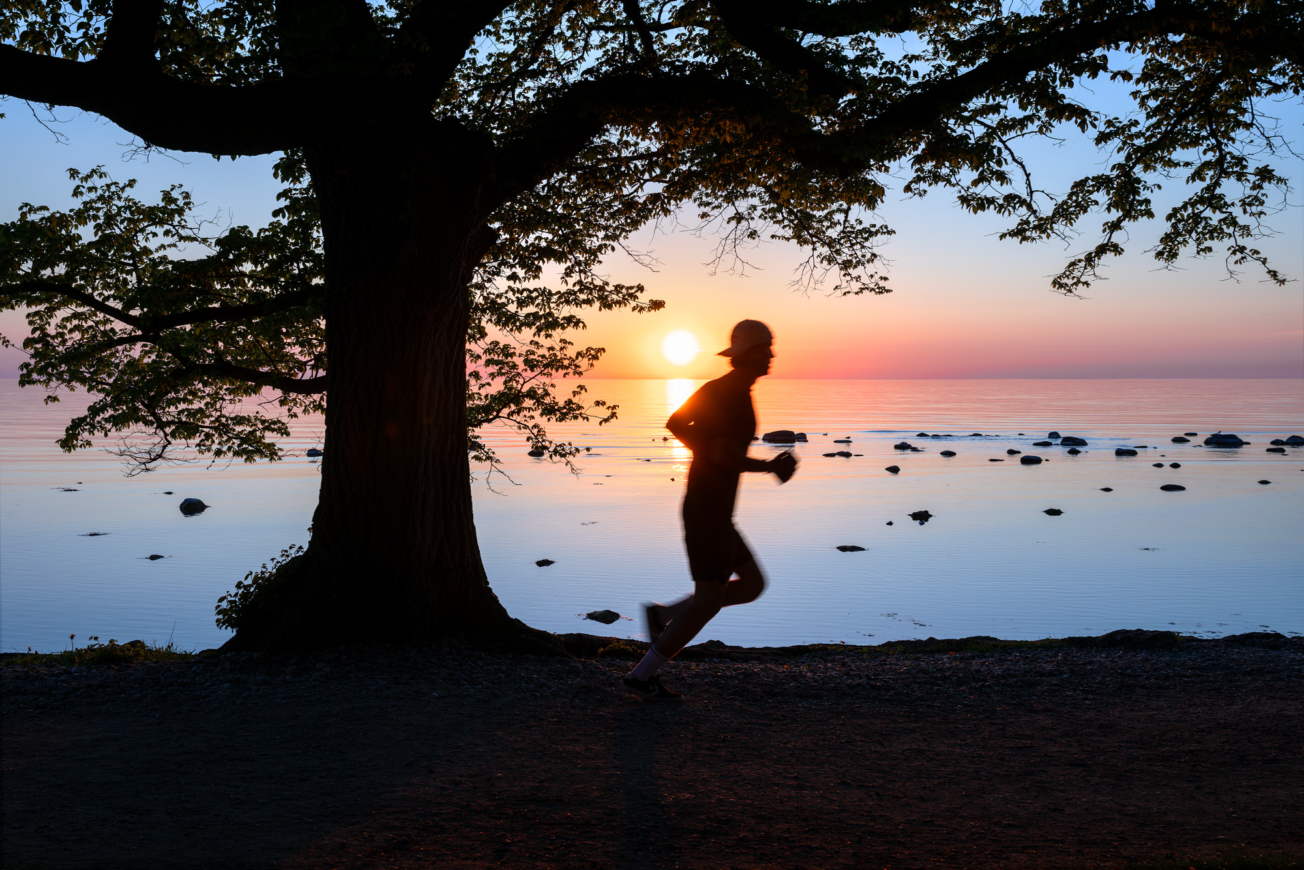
x: 804, y: 757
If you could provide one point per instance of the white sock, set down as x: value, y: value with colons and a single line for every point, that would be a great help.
x: 647, y: 669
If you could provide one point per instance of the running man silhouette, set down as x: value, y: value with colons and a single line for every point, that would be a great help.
x: 717, y: 424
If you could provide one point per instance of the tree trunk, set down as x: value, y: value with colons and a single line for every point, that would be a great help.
x: 393, y: 555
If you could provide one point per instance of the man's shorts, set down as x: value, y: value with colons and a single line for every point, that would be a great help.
x: 715, y: 549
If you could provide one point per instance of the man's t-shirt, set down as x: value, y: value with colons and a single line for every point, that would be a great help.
x: 720, y: 409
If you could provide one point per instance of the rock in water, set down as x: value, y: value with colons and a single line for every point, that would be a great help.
x: 921, y: 516
x: 1292, y: 441
x: 889, y: 522
x: 1172, y: 487
x: 948, y: 452
x: 1107, y: 489
x: 1219, y: 439
x: 850, y: 548
x: 606, y: 617
x: 841, y: 440
x: 192, y: 506
x: 1265, y: 482
x: 903, y: 445
x: 1158, y: 465
x: 1174, y: 465
x: 544, y: 563
x: 1013, y: 452
x: 1053, y: 435
x: 1041, y: 444
x: 1191, y: 434
x: 1030, y: 460
x: 1052, y: 512
x: 1073, y: 451
x: 154, y: 557
x: 536, y: 453
x: 1124, y: 451
x: 1070, y: 441
x: 1276, y: 449
x: 996, y: 460
x: 1180, y: 440
x: 892, y: 469
x: 780, y: 436
x: 312, y: 451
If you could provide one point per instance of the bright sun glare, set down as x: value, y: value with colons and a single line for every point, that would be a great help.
x: 680, y: 347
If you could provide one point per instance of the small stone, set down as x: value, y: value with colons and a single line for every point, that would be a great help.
x: 1107, y: 489
x: 312, y: 451
x: 996, y: 460
x: 536, y: 453
x: 1042, y: 443
x: 154, y: 557
x: 1180, y: 440
x: 921, y: 434
x: 1124, y: 451
x: 1073, y: 451
x: 544, y: 563
x: 192, y: 506
x: 1292, y: 441
x: 921, y: 516
x: 606, y: 617
x: 1172, y: 487
x: 889, y: 522
x: 1220, y: 439
x: 1174, y: 465
x: 1070, y: 441
x: 902, y: 445
x: 948, y: 452
x: 841, y: 440
x: 1158, y: 465
x: 892, y: 469
x: 1052, y: 512
x: 1053, y: 435
x: 975, y: 434
x: 1276, y: 449
x: 1030, y: 460
x: 1265, y: 482
x: 780, y: 436
x: 1191, y: 434
x: 850, y: 548
x: 169, y: 492
x: 1013, y: 452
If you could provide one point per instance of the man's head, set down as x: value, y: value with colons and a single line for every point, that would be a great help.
x: 750, y: 347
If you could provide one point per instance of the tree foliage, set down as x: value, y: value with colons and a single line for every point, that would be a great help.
x: 582, y: 121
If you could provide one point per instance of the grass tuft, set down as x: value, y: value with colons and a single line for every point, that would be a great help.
x: 96, y: 653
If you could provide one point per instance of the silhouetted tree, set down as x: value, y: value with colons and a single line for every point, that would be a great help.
x: 456, y: 171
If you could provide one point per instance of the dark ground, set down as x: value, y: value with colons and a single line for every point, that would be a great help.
x: 1047, y: 758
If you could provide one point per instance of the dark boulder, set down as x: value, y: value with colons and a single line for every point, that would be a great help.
x: 536, y: 453
x: 1053, y: 435
x: 544, y: 563
x: 1261, y: 639
x: 1124, y: 451
x: 948, y: 452
x: 975, y: 434
x: 1292, y: 441
x: 1042, y: 443
x: 846, y: 453
x: 780, y: 436
x: 850, y: 548
x: 1173, y: 487
x: 1071, y: 441
x: 921, y: 434
x: 841, y: 440
x: 1013, y: 452
x: 1174, y: 465
x: 1191, y: 434
x: 1180, y: 440
x: 1073, y: 451
x: 1140, y: 638
x: 892, y: 469
x: 1158, y: 465
x: 192, y: 506
x: 996, y: 460
x: 154, y: 557
x: 606, y: 617
x: 921, y: 516
x: 1052, y: 512
x: 1107, y: 489
x: 903, y: 445
x: 1030, y: 460
x: 313, y: 451
x: 1265, y: 482
x: 1224, y: 440
x: 1276, y: 450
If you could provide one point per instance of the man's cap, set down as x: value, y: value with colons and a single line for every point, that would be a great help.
x: 746, y: 335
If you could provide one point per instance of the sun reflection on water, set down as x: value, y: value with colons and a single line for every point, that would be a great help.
x: 677, y: 392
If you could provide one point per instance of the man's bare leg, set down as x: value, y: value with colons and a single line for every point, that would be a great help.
x: 744, y: 589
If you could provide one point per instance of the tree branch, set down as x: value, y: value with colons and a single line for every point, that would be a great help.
x: 168, y: 113
x: 443, y: 32
x: 129, y: 36
x: 772, y: 45
x: 147, y: 322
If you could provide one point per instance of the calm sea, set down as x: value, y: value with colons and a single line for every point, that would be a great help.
x: 1224, y: 556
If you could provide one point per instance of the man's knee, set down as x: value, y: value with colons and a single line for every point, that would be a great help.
x: 751, y: 581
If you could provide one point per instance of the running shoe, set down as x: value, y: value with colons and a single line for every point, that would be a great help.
x: 654, y: 625
x: 650, y: 690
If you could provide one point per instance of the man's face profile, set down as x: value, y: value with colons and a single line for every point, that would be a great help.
x: 755, y: 360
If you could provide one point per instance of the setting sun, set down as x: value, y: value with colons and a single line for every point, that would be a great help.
x: 680, y: 347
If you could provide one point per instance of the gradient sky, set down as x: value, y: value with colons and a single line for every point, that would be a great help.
x: 966, y: 305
